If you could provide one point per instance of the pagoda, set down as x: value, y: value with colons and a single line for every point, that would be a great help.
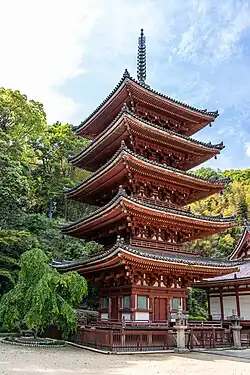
x: 140, y: 153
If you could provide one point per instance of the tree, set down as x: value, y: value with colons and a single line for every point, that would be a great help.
x: 51, y: 169
x: 208, y: 173
x: 7, y: 276
x: 20, y: 118
x: 14, y: 200
x: 48, y: 236
x: 13, y: 243
x: 14, y: 187
x: 42, y: 296
x: 197, y: 303
x: 242, y: 210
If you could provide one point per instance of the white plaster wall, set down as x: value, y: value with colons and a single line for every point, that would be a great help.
x: 229, y: 305
x: 215, y: 307
x: 245, y: 307
x: 126, y: 316
x: 104, y: 316
x: 142, y: 316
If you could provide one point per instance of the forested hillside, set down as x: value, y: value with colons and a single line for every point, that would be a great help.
x: 235, y: 200
x: 34, y: 170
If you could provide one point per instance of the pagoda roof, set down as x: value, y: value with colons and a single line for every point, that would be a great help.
x: 121, y: 206
x: 116, y: 169
x: 242, y: 274
x: 107, y: 142
x: 236, y: 255
x: 129, y: 89
x: 122, y: 253
x: 243, y: 242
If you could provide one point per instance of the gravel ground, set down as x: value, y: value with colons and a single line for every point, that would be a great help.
x: 70, y: 360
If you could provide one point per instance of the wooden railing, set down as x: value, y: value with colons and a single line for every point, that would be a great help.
x: 111, y: 323
x: 205, y: 323
x: 206, y: 337
x: 160, y: 245
x: 126, y: 340
x: 150, y: 339
x: 114, y: 335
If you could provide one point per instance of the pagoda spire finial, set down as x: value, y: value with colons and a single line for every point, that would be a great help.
x: 141, y: 58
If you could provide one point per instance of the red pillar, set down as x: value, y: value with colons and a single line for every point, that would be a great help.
x: 109, y: 308
x: 133, y: 297
x: 221, y: 305
x: 184, y: 303
x: 152, y: 313
x: 208, y: 305
x: 119, y: 305
x: 237, y: 300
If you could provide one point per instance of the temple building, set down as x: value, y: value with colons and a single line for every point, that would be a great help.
x: 230, y: 294
x: 140, y: 155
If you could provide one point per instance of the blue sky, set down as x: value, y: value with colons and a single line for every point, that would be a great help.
x: 70, y: 54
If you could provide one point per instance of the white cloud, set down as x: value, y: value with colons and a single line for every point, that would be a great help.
x: 212, y: 29
x: 42, y: 45
x: 47, y: 43
x: 247, y: 148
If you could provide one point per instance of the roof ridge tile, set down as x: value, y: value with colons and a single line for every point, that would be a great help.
x: 127, y: 76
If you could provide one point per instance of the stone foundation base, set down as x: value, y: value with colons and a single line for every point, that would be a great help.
x: 181, y: 351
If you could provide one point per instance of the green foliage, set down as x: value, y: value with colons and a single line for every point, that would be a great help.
x: 20, y: 118
x: 34, y: 170
x: 242, y: 210
x: 51, y: 240
x: 12, y: 244
x: 197, y: 318
x: 51, y: 170
x: 242, y: 176
x: 208, y: 173
x: 42, y: 296
x: 14, y: 186
x: 197, y: 303
x: 234, y: 201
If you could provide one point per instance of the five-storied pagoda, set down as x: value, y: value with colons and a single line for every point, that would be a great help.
x: 140, y: 153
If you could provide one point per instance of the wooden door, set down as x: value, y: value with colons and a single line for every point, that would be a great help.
x: 160, y: 311
x: 114, y: 308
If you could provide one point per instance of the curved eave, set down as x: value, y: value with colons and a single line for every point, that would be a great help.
x: 245, y: 237
x: 121, y: 207
x: 122, y: 254
x: 240, y: 276
x: 118, y: 130
x: 115, y: 170
x: 199, y: 116
x: 205, y: 270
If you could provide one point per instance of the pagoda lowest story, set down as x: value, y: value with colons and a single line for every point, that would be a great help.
x: 140, y: 154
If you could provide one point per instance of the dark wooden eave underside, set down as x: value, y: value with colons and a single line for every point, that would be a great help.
x: 127, y: 90
x: 115, y: 170
x: 121, y: 254
x: 127, y: 124
x: 121, y: 207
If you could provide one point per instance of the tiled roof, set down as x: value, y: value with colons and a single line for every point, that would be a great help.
x: 122, y: 194
x: 153, y: 163
x: 150, y: 254
x: 242, y: 240
x: 244, y: 272
x: 125, y: 109
x: 126, y: 76
x: 185, y: 259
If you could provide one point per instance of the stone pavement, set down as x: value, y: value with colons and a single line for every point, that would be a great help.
x: 238, y: 353
x: 74, y: 361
